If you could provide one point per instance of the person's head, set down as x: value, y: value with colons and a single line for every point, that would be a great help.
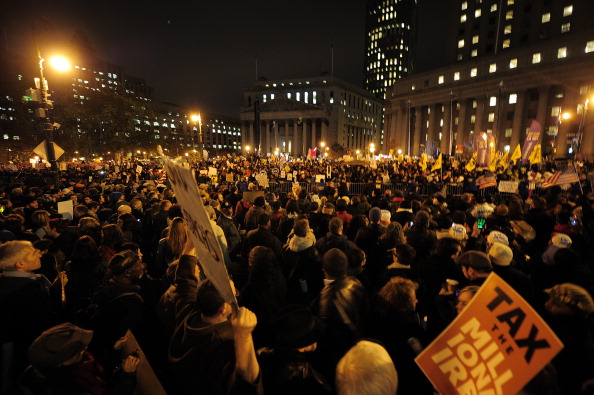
x: 394, y: 234
x: 80, y: 211
x: 210, y: 212
x: 260, y: 201
x: 88, y: 223
x: 292, y: 207
x: 475, y: 265
x: 366, y: 369
x: 448, y: 247
x: 296, y: 328
x: 226, y: 208
x: 124, y: 209
x: 301, y: 227
x: 165, y: 205
x: 375, y: 215
x: 262, y: 262
x: 84, y: 248
x: 341, y: 205
x: 111, y: 235
x: 404, y: 254
x: 465, y: 295
x: 335, y: 226
x: 328, y: 209
x: 40, y: 218
x: 500, y: 255
x: 126, y: 266
x: 357, y: 260
x: 400, y: 293
x: 20, y: 256
x: 335, y: 264
x: 422, y: 220
x: 538, y: 203
x: 497, y: 237
x: 210, y: 303
x: 569, y: 299
x: 263, y: 221
x: 61, y: 345
x: 177, y: 236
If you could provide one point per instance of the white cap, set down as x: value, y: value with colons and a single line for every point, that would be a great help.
x: 457, y: 232
x: 561, y: 240
x: 497, y: 237
x: 501, y: 255
x: 386, y: 216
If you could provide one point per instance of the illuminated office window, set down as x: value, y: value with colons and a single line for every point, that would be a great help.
x: 506, y: 43
x: 567, y: 11
x: 509, y: 15
x: 562, y: 53
x: 590, y: 46
x: 507, y: 29
x: 513, y: 63
x: 306, y: 97
x: 473, y: 72
x: 464, y: 5
x: 493, y: 7
x: 493, y: 101
x: 477, y: 13
x: 513, y: 98
x: 475, y: 39
x: 460, y: 43
x: 298, y: 96
x: 536, y: 58
x: 546, y: 17
x: 463, y: 18
x: 314, y: 97
x: 264, y: 98
x: 457, y: 76
x: 272, y: 96
x: 491, y: 117
x: 511, y: 2
x: 441, y: 79
x: 474, y: 53
x: 492, y: 67
x: 566, y: 27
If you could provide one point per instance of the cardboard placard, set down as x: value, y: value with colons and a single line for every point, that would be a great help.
x: 250, y: 196
x: 66, y: 207
x: 147, y: 382
x: 212, y: 171
x: 508, y: 186
x: 200, y: 229
x: 496, y: 345
x: 139, y: 169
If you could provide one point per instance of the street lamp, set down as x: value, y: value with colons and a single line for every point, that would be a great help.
x: 46, y: 125
x: 322, y: 144
x: 372, y: 148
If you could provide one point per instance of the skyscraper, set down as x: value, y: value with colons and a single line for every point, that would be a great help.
x: 389, y: 43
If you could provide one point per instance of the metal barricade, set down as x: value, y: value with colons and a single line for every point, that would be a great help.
x: 454, y: 189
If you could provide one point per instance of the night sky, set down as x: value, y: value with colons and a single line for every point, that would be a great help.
x: 202, y: 54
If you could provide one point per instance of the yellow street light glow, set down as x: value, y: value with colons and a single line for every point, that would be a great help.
x: 195, y: 118
x: 323, y: 144
x: 357, y: 152
x: 247, y: 147
x: 138, y: 152
x: 186, y: 154
x: 60, y: 63
x: 399, y: 151
x: 566, y: 115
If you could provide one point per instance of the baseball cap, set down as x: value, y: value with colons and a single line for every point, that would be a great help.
x: 58, y: 344
x: 561, y: 240
x: 497, y: 237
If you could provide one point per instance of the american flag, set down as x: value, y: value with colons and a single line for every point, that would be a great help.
x: 566, y: 176
x: 486, y: 182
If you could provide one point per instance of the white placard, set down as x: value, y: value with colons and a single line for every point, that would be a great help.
x: 212, y: 171
x: 200, y: 229
x: 319, y: 178
x: 66, y: 207
x: 262, y: 179
x: 139, y: 169
x: 508, y: 186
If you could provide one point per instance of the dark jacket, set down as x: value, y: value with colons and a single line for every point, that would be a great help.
x: 202, y: 355
x: 335, y: 241
x: 262, y: 237
x: 302, y: 267
x: 251, y: 217
x: 368, y: 236
x: 230, y: 227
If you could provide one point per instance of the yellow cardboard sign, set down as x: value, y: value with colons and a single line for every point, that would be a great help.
x: 495, y: 346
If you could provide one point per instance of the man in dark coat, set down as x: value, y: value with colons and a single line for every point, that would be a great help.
x: 230, y: 227
x: 262, y: 236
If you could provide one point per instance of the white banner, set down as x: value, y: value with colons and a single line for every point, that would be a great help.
x: 508, y: 186
x: 200, y: 230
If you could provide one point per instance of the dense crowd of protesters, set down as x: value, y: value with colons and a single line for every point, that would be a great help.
x: 338, y: 292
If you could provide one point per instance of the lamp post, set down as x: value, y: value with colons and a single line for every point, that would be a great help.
x: 197, y: 119
x: 46, y: 125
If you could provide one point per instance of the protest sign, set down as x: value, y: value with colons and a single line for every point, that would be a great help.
x: 282, y: 174
x: 212, y: 171
x: 229, y: 177
x: 319, y: 178
x: 204, y: 172
x: 200, y: 230
x: 496, y: 345
x: 508, y: 186
x: 66, y: 207
x: 139, y: 169
x: 147, y: 382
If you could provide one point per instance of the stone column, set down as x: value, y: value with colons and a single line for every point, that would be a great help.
x: 569, y: 105
x: 286, y: 148
x: 461, y: 129
x: 432, y: 134
x: 295, y: 142
x: 325, y: 134
x: 404, y: 126
x: 266, y: 148
x: 417, y: 136
x: 304, y: 140
x: 314, y: 137
x: 445, y: 129
x: 395, y: 137
x: 587, y: 147
x: 480, y: 110
x: 518, y: 127
x: 541, y: 112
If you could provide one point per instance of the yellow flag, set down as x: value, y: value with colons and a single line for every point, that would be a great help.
x: 471, y: 165
x: 504, y: 162
x: 536, y: 155
x: 493, y: 162
x: 516, y: 155
x: 437, y: 164
x: 391, y: 152
x: 423, y: 161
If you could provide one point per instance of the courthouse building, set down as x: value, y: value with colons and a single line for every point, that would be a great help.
x: 292, y: 116
x: 510, y: 63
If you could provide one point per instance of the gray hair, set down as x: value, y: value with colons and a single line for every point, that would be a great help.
x: 12, y: 252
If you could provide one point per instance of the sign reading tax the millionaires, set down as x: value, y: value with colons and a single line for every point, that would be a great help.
x: 495, y: 346
x: 200, y: 230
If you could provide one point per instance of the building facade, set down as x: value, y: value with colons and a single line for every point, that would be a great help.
x: 292, y: 116
x: 389, y: 43
x: 536, y: 63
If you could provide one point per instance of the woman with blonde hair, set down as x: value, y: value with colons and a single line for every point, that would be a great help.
x: 171, y: 247
x: 40, y: 220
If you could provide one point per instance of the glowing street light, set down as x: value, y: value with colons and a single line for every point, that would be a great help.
x: 566, y: 115
x: 247, y: 148
x: 372, y: 148
x: 60, y: 63
x: 322, y: 144
x: 399, y: 152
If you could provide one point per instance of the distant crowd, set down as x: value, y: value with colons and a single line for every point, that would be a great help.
x: 337, y: 292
